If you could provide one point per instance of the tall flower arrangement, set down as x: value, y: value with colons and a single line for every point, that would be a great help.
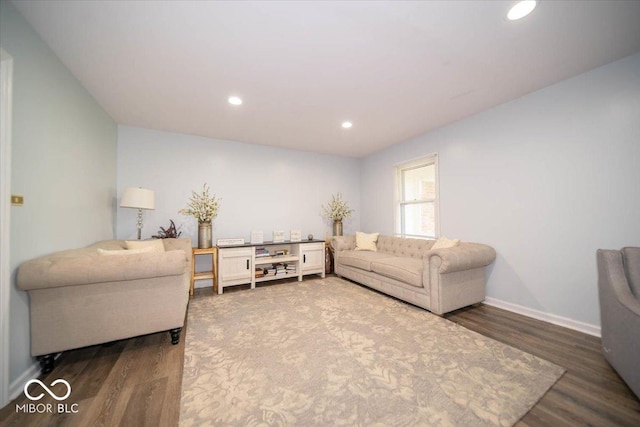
x: 202, y: 206
x: 337, y: 209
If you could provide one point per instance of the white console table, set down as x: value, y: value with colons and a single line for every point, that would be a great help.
x: 237, y: 264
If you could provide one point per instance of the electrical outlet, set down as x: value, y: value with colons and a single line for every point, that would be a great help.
x: 17, y: 200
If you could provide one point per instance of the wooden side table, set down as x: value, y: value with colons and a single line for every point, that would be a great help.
x: 209, y: 274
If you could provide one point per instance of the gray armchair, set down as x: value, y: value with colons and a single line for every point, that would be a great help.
x: 619, y: 291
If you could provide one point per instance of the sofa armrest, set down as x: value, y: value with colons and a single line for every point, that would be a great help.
x: 613, y: 286
x: 620, y: 317
x: 343, y: 243
x: 51, y: 272
x: 629, y: 306
x: 465, y: 256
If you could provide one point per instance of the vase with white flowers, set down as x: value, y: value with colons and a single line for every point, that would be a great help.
x: 337, y: 210
x: 203, y: 207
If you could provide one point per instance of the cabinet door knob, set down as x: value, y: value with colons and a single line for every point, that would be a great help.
x: 247, y: 264
x: 304, y: 258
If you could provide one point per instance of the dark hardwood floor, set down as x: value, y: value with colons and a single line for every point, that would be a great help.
x: 589, y: 394
x: 136, y: 382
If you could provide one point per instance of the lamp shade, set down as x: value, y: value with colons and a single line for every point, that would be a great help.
x: 139, y: 198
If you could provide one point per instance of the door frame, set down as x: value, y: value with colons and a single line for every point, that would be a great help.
x: 6, y: 83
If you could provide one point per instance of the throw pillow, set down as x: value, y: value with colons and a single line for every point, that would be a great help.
x: 366, y: 242
x: 156, y: 244
x: 443, y: 243
x: 106, y: 252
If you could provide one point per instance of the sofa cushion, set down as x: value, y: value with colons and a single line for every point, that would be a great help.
x: 631, y: 260
x: 156, y: 244
x: 366, y: 242
x: 407, y: 270
x: 119, y: 252
x: 361, y: 259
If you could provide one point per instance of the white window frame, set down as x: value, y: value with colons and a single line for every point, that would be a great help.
x: 398, y: 202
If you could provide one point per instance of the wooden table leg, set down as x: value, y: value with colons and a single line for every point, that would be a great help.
x: 193, y: 273
x: 214, y: 266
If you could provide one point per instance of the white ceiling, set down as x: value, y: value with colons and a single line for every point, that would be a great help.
x: 395, y: 69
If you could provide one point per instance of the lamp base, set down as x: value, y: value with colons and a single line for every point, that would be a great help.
x: 139, y: 224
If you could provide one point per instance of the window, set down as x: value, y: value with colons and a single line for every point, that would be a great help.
x: 417, y: 198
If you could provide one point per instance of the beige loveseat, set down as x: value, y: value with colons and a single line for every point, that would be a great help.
x: 439, y: 280
x: 84, y: 296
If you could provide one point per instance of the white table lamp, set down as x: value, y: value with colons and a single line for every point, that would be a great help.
x: 138, y: 198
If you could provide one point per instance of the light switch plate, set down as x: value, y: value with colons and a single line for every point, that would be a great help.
x: 17, y: 200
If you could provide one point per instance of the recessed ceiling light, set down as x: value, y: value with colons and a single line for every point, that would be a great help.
x: 347, y: 125
x: 521, y: 9
x: 235, y: 100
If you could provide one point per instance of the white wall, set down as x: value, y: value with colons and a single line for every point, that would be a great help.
x: 63, y: 163
x: 262, y: 188
x: 546, y: 180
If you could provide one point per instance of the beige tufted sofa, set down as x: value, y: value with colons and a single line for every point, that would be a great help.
x: 80, y: 298
x: 439, y: 280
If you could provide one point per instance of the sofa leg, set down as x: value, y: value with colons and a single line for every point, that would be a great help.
x: 46, y: 363
x: 175, y: 335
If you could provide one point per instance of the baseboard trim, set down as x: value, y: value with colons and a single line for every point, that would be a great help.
x: 545, y: 317
x: 16, y: 387
x: 32, y: 372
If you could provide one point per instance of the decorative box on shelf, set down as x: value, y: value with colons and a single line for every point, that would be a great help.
x: 230, y: 242
x: 257, y: 237
x: 278, y: 236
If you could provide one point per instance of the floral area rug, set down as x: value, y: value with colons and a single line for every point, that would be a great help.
x: 332, y: 353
